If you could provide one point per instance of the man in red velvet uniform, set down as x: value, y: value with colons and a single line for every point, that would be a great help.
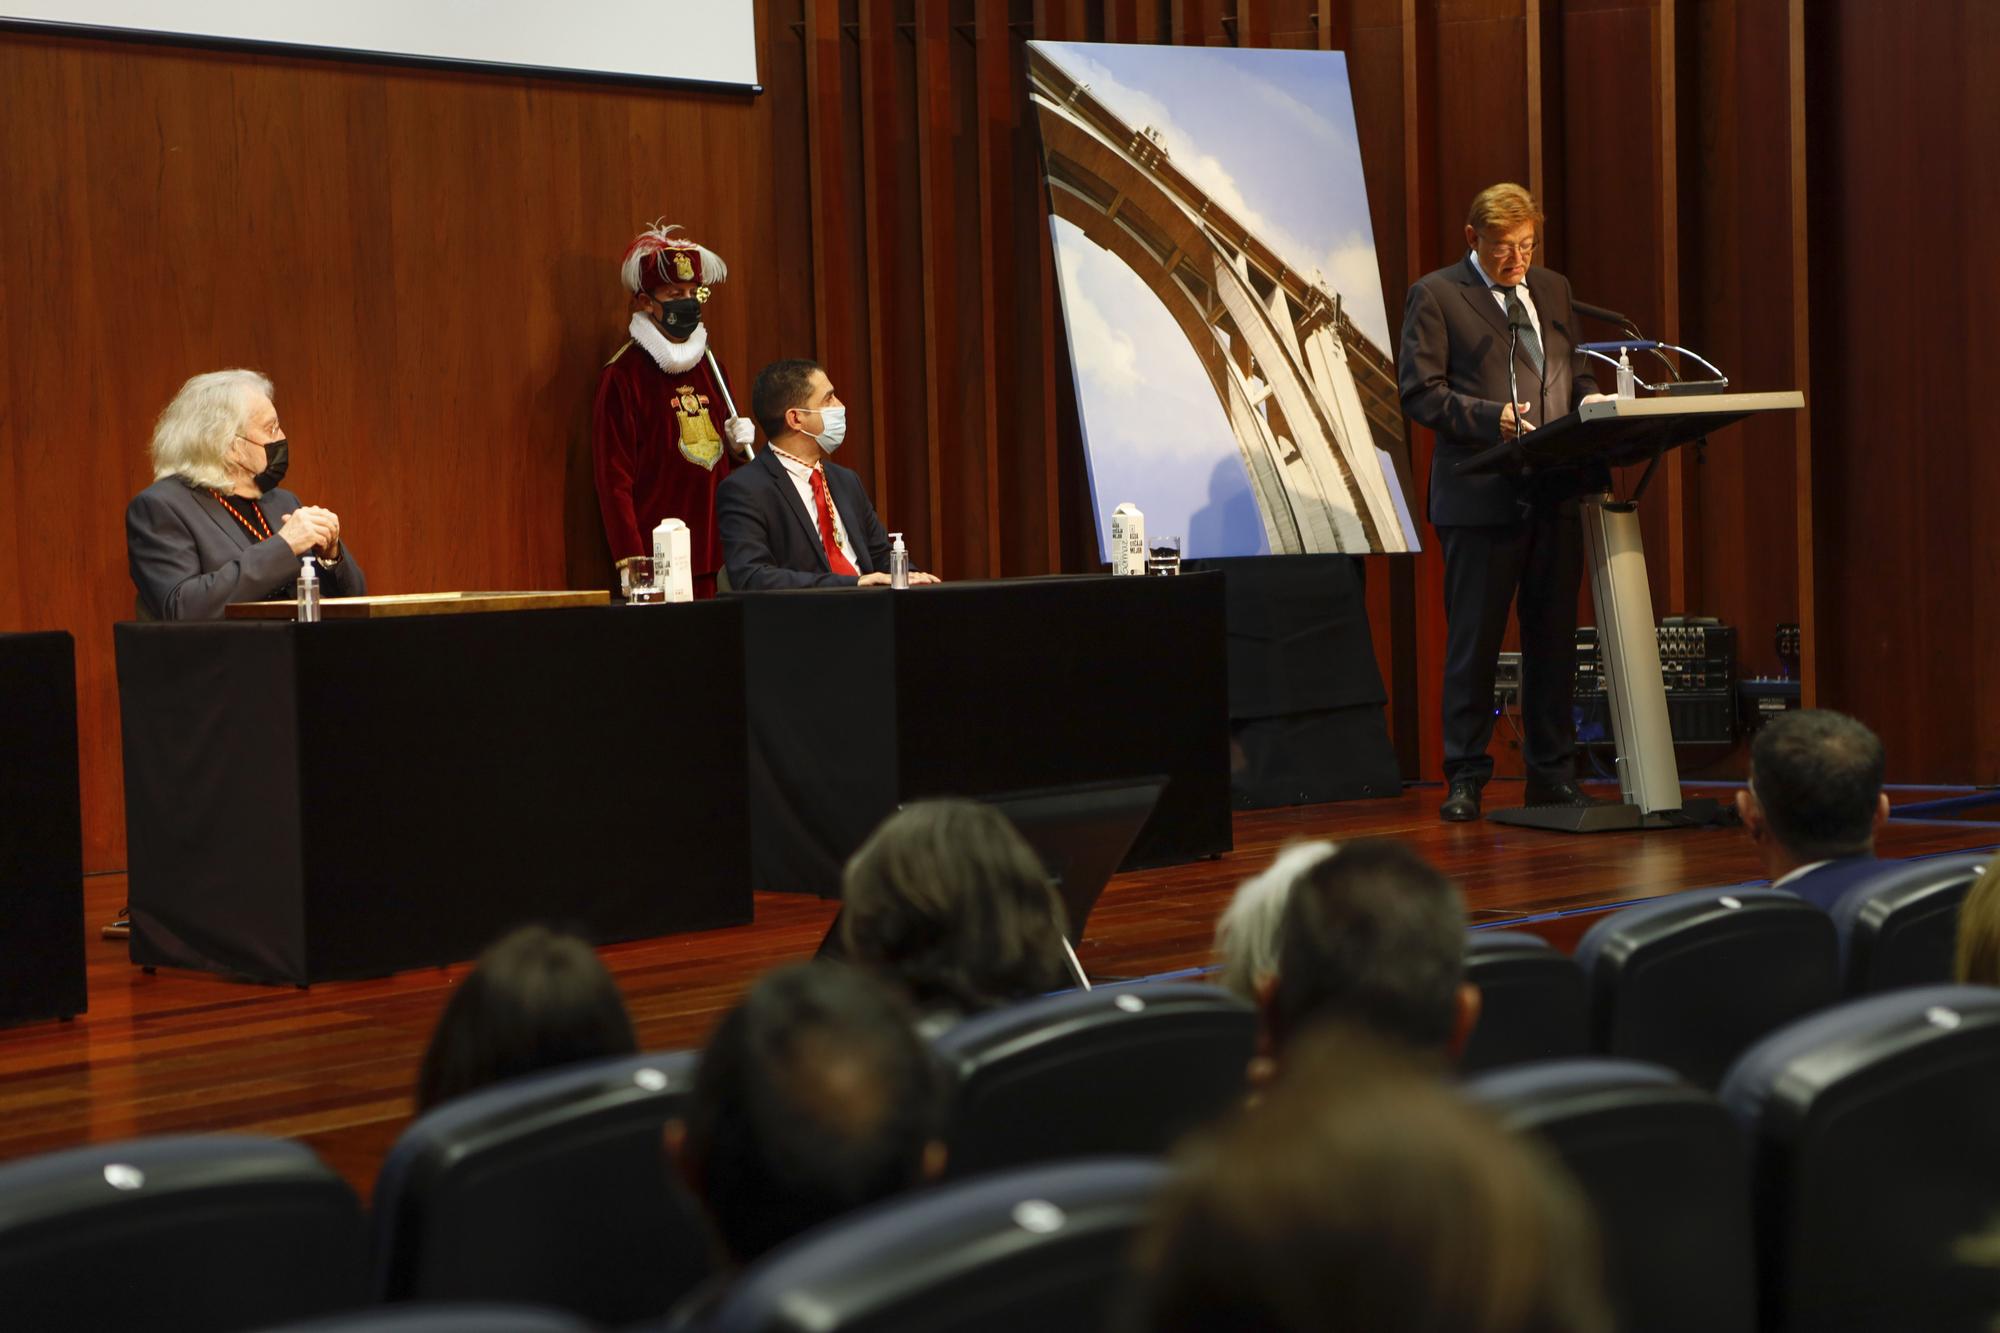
x: 662, y: 434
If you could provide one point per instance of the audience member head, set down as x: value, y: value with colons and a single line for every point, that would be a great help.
x: 1815, y: 790
x: 212, y: 433
x: 1373, y: 935
x: 814, y: 1097
x: 1503, y: 227
x: 949, y: 900
x: 795, y: 403
x: 1979, y: 931
x: 1246, y: 935
x: 1363, y: 1192
x: 536, y: 999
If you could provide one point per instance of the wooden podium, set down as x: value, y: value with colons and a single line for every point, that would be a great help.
x: 1621, y: 432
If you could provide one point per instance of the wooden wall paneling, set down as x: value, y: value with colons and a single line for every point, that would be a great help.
x: 1256, y: 25
x: 1055, y: 22
x: 786, y: 306
x: 1332, y: 23
x: 1799, y: 209
x: 1610, y: 241
x: 1028, y: 469
x: 1198, y: 23
x: 1680, y: 554
x: 1423, y: 250
x: 1737, y: 293
x: 997, y: 130
x: 893, y: 243
x: 1904, y: 460
x: 839, y: 254
x: 1061, y: 20
x: 1135, y: 20
x: 935, y: 167
x: 1370, y: 33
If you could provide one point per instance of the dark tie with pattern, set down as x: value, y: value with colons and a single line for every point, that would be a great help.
x: 1517, y: 312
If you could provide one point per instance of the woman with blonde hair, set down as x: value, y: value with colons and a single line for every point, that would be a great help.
x: 214, y: 527
x: 1979, y: 930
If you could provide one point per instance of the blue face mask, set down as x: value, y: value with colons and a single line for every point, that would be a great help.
x: 835, y: 421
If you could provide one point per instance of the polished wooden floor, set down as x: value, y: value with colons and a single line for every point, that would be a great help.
x: 333, y: 1066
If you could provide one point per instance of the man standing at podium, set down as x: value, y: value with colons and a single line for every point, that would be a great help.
x: 1504, y: 535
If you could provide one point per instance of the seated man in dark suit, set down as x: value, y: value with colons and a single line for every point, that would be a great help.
x: 1815, y: 802
x: 792, y: 518
x: 815, y: 1097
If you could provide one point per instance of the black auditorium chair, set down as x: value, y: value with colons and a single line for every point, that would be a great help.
x: 1689, y: 980
x: 1127, y: 1070
x: 1041, y: 1248
x: 216, y: 1233
x: 1664, y: 1167
x: 1874, y: 1133
x: 553, y: 1189
x: 450, y: 1318
x: 1900, y: 927
x: 1532, y: 1003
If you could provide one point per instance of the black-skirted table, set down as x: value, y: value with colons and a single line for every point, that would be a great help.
x: 346, y: 799
x: 41, y: 831
x: 861, y: 700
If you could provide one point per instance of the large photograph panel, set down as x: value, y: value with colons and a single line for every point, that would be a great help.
x: 1217, y: 273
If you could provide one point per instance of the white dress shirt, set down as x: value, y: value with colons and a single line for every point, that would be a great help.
x: 1798, y: 872
x: 802, y: 477
x: 1500, y: 295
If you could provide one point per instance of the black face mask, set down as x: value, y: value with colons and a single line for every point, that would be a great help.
x: 680, y: 317
x: 277, y: 456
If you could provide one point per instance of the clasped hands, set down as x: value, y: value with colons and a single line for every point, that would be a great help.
x: 312, y: 530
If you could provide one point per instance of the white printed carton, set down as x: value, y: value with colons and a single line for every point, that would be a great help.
x: 1128, y: 540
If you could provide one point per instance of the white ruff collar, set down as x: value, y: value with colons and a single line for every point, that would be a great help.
x: 667, y: 354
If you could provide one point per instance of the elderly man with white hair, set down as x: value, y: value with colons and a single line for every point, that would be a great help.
x: 214, y: 527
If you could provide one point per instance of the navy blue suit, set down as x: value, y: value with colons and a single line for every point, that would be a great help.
x: 1506, y: 537
x: 1824, y: 886
x: 771, y: 540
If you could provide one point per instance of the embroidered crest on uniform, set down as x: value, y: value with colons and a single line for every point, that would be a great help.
x: 683, y: 266
x: 700, y: 444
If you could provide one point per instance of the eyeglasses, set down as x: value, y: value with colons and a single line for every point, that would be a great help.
x: 1507, y: 249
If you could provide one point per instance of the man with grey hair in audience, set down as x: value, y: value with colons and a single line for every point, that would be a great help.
x: 1246, y: 935
x: 1814, y: 802
x: 214, y: 527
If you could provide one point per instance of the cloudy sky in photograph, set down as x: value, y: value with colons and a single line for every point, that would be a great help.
x: 1270, y: 136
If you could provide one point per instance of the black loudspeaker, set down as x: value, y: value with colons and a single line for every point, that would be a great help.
x: 41, y: 831
x: 1081, y: 833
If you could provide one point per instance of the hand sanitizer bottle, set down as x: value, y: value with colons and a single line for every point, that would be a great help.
x: 1627, y: 385
x: 899, y: 561
x: 308, y: 592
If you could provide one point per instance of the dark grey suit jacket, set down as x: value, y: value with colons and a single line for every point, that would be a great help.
x: 190, y: 558
x: 771, y: 540
x: 1452, y: 370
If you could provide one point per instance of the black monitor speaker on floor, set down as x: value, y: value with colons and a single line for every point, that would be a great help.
x: 1081, y: 832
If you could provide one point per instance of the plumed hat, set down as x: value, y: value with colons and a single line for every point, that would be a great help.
x: 659, y: 258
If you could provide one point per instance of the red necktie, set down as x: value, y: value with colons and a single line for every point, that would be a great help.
x: 836, y: 560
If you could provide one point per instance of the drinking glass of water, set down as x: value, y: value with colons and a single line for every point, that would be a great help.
x: 640, y: 581
x: 1163, y: 555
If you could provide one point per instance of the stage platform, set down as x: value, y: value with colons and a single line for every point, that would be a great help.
x: 178, y: 1052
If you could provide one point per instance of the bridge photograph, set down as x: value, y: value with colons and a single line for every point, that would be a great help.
x: 1219, y: 288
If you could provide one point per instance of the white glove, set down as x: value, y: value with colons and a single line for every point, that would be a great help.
x: 741, y: 431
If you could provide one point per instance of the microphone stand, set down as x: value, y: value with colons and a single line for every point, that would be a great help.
x: 1513, y: 389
